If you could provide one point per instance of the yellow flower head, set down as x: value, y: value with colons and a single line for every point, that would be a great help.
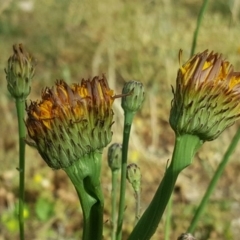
x: 71, y: 121
x: 207, y: 96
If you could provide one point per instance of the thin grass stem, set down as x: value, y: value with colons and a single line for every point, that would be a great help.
x: 199, y: 21
x: 214, y: 181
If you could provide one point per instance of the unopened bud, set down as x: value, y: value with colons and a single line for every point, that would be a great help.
x: 115, y: 156
x: 19, y: 73
x: 133, y: 98
x: 134, y: 176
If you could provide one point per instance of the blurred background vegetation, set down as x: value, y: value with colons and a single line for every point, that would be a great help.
x: 126, y: 40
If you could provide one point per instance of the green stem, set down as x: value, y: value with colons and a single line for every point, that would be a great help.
x: 114, y: 203
x: 168, y: 220
x: 85, y: 176
x: 199, y: 21
x: 184, y: 150
x: 214, y: 181
x: 128, y: 118
x: 138, y: 206
x: 20, y: 105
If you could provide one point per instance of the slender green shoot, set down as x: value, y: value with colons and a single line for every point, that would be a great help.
x: 138, y: 206
x: 114, y: 203
x: 199, y: 21
x: 214, y: 181
x: 134, y: 178
x: 20, y: 106
x: 128, y: 118
x: 167, y: 228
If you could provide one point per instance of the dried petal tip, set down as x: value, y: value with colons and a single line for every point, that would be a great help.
x: 133, y: 96
x: 207, y: 97
x: 134, y: 176
x: 115, y: 156
x: 71, y: 121
x: 19, y: 73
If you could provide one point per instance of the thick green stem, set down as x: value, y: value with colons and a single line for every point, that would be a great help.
x: 114, y: 203
x: 128, y: 118
x: 85, y: 176
x: 20, y: 105
x: 168, y: 220
x: 184, y: 150
x: 214, y: 181
x: 199, y: 21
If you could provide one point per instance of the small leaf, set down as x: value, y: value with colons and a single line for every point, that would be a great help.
x: 44, y: 209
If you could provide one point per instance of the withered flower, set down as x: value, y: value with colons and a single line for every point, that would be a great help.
x: 71, y: 121
x: 207, y: 96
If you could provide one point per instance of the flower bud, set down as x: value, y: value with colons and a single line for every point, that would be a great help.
x: 186, y: 236
x: 19, y: 73
x: 71, y: 121
x: 115, y: 156
x: 207, y: 97
x: 133, y: 96
x: 134, y: 176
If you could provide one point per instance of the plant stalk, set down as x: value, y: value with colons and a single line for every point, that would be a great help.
x: 138, y: 206
x: 20, y: 105
x: 128, y: 118
x: 184, y: 150
x: 168, y: 219
x: 85, y: 176
x: 114, y: 203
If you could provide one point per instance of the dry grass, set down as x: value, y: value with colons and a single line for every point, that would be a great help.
x: 125, y: 40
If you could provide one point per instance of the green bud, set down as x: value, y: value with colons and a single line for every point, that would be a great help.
x: 19, y: 73
x: 115, y: 156
x: 133, y: 96
x: 134, y: 176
